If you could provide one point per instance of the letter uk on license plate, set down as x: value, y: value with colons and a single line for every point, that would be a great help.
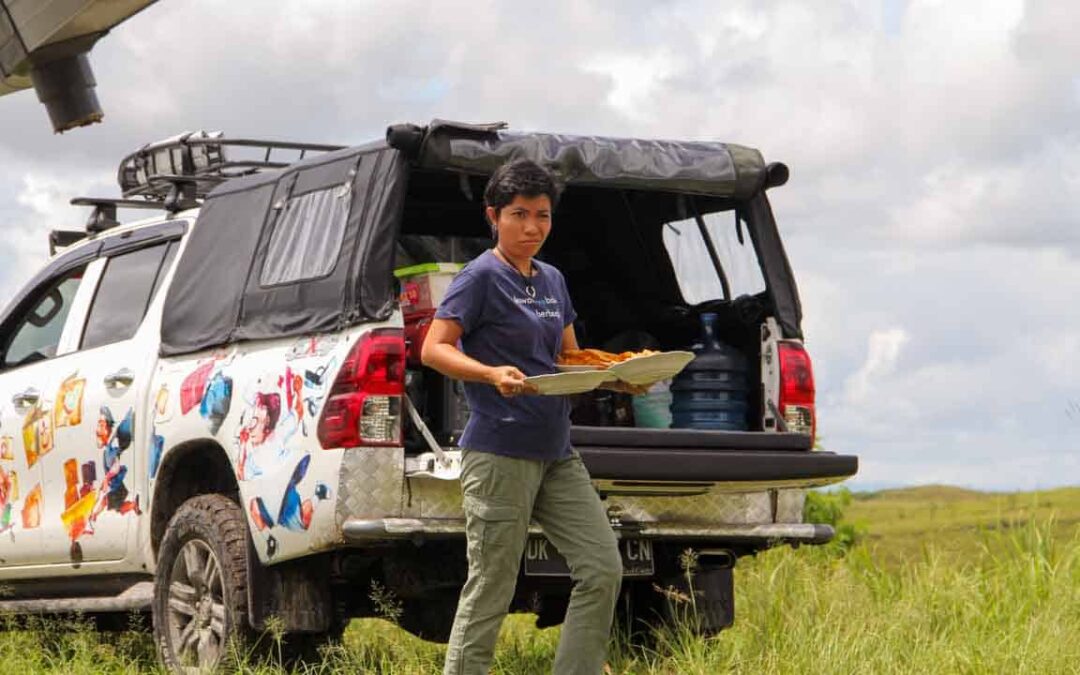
x: 543, y: 560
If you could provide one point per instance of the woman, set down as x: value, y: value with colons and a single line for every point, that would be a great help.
x: 511, y: 316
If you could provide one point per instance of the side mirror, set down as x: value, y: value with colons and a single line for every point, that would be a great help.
x: 40, y: 320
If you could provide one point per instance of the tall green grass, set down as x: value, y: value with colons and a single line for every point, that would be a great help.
x: 1013, y: 608
x: 1009, y: 604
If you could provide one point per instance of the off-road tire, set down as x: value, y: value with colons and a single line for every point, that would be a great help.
x: 216, y: 524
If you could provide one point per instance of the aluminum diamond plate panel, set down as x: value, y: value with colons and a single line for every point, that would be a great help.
x: 371, y: 483
x: 731, y: 508
x: 436, y: 498
x: 430, y: 498
x: 789, y: 506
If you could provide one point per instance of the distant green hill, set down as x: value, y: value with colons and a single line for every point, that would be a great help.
x: 899, y: 523
x: 920, y: 493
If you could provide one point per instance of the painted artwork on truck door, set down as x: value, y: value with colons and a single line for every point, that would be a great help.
x: 162, y: 416
x: 9, y: 495
x: 113, y: 439
x: 37, y: 433
x: 38, y: 436
x: 86, y: 494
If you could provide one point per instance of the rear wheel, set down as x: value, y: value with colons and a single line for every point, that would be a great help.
x: 200, y: 591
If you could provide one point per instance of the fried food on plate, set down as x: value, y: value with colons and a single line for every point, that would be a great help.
x: 597, y: 357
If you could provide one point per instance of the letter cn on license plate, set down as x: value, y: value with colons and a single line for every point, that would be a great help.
x: 542, y: 559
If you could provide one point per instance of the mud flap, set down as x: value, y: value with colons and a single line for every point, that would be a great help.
x: 704, y: 602
x: 297, y: 592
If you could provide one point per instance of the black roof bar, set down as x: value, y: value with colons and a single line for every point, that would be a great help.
x: 103, y: 217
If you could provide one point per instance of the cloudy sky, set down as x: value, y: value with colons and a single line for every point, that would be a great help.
x: 931, y: 217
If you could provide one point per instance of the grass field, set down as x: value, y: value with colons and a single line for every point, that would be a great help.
x: 939, y: 580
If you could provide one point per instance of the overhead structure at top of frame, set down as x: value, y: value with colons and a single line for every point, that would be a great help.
x: 45, y: 44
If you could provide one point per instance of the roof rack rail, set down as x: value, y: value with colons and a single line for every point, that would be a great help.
x: 103, y: 217
x: 181, y: 170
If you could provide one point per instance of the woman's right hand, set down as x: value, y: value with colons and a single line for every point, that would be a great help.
x: 509, y: 381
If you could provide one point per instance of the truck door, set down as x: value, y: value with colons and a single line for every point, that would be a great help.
x: 94, y: 486
x: 34, y: 356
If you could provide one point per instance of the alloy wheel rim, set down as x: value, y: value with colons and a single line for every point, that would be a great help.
x: 196, y: 607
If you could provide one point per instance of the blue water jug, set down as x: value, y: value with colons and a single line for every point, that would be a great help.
x: 712, y: 392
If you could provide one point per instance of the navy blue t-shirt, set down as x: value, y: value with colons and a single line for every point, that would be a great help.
x: 503, y: 325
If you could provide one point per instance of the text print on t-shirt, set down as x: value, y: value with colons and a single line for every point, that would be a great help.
x: 544, y: 308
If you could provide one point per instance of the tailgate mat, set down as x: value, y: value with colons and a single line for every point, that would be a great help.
x: 637, y: 437
x: 671, y: 464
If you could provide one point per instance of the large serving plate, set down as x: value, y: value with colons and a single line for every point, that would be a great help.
x: 559, y: 384
x: 610, y: 376
x: 652, y: 368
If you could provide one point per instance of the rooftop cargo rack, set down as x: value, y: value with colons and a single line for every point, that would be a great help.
x: 183, y: 169
x: 177, y: 174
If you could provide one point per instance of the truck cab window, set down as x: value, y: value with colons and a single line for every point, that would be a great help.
x: 123, y: 296
x: 38, y: 330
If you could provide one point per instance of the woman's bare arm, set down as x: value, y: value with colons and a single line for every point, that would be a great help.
x: 440, y: 352
x: 569, y: 339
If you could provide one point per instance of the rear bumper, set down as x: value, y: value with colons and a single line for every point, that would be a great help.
x: 366, y: 531
x: 748, y: 469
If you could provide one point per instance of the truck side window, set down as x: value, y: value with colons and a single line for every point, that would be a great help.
x: 122, y: 296
x: 38, y: 333
x: 307, y: 237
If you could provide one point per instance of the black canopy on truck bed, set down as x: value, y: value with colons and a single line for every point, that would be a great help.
x: 235, y: 282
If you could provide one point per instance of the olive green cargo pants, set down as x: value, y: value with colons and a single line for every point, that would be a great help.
x: 501, y: 494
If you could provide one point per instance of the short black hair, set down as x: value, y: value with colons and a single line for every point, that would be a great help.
x: 519, y: 177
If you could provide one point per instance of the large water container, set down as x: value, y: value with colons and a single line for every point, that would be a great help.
x: 711, y: 392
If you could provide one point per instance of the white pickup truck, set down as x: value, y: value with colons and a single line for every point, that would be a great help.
x: 204, y: 415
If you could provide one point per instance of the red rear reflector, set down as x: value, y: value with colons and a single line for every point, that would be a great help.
x: 364, y: 406
x: 797, y: 389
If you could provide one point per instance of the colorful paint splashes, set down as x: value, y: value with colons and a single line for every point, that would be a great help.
x: 295, y: 513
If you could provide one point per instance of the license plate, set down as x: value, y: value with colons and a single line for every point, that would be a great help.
x: 543, y: 560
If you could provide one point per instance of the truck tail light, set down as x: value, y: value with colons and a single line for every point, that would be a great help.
x: 364, y: 407
x: 797, y: 389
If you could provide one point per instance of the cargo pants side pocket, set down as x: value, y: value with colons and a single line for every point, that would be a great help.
x: 496, y: 536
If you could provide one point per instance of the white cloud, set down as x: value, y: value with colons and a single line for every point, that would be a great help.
x: 44, y: 199
x: 883, y: 351
x: 636, y: 80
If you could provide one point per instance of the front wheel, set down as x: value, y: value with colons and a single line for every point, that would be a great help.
x: 200, y: 590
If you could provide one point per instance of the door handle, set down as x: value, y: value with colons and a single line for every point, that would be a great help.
x: 27, y: 398
x: 121, y: 379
